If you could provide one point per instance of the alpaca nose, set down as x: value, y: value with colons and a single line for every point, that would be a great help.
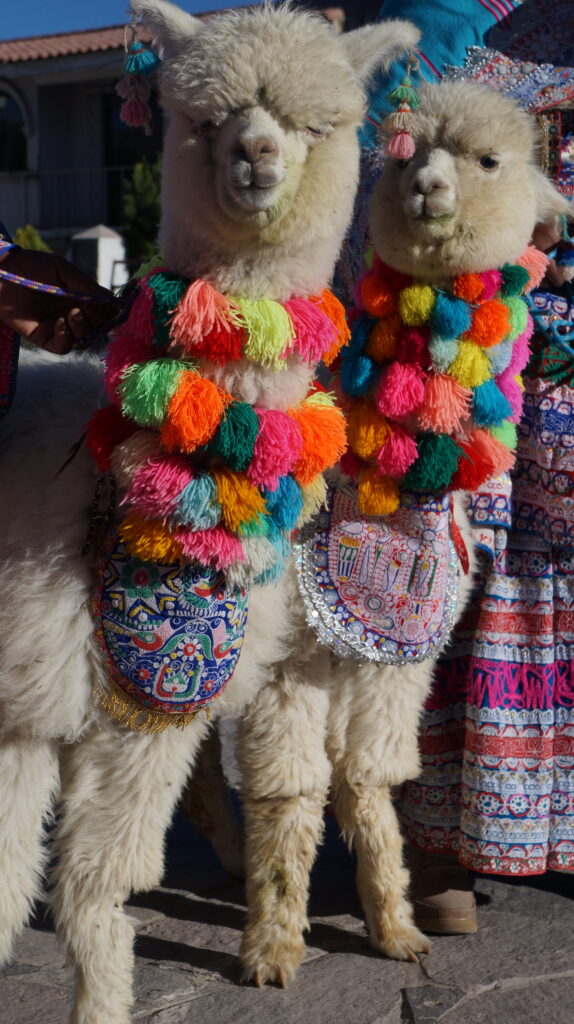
x: 429, y: 180
x: 253, y: 149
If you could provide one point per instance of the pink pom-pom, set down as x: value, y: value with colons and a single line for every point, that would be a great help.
x: 315, y: 334
x: 351, y: 464
x: 215, y: 547
x: 492, y: 283
x: 123, y: 351
x: 401, y: 146
x: 400, y: 391
x: 513, y: 392
x: 157, y: 485
x: 535, y: 263
x: 135, y: 113
x: 446, y: 404
x: 521, y: 349
x: 201, y: 310
x: 277, y: 448
x: 397, y: 454
x: 412, y: 345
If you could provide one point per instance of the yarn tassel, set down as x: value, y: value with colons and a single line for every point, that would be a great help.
x: 239, y: 499
x: 397, y: 454
x: 536, y: 263
x: 333, y: 309
x: 149, y: 539
x: 197, y: 505
x: 400, y: 391
x: 146, y: 390
x: 489, y: 405
x: 367, y: 429
x: 201, y: 309
x: 277, y: 448
x: 314, y: 495
x: 285, y: 503
x: 215, y: 546
x: 378, y: 495
x: 438, y: 456
x: 446, y: 405
x: 123, y: 351
x: 129, y: 455
x: 511, y: 387
x: 315, y: 333
x: 157, y: 485
x: 520, y: 349
x: 324, y: 440
x: 269, y: 330
x: 194, y: 413
x: 235, y: 439
x: 106, y: 429
x: 485, y: 457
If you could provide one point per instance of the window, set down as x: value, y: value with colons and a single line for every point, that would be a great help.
x: 13, y: 147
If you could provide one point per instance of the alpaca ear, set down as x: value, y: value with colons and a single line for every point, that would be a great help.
x: 551, y: 205
x: 171, y: 27
x: 375, y: 46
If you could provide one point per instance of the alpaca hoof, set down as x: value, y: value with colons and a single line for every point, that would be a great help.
x: 272, y: 965
x: 268, y: 974
x: 404, y: 943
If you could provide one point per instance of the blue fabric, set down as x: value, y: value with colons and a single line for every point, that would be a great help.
x: 448, y: 27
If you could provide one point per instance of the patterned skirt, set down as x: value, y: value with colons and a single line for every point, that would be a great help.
x: 497, y: 742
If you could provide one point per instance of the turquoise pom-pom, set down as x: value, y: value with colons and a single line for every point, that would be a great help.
x: 285, y: 503
x: 281, y: 544
x: 450, y: 317
x: 443, y: 352
x: 489, y: 406
x: 197, y: 505
x: 358, y: 373
x: 435, y: 465
x: 500, y: 356
x: 514, y: 279
x: 140, y: 60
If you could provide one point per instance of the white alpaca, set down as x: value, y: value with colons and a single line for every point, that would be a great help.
x: 260, y: 169
x: 467, y: 201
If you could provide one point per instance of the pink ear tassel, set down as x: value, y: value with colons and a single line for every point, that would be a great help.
x: 401, y: 146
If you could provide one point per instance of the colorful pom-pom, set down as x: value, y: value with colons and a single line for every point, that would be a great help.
x: 197, y: 505
x: 146, y: 390
x: 200, y: 310
x: 329, y: 304
x: 149, y: 539
x: 277, y: 448
x: 520, y: 349
x: 140, y: 60
x: 351, y: 464
x: 377, y: 495
x: 222, y: 345
x: 239, y: 499
x: 491, y: 283
x: 535, y: 263
x: 139, y: 324
x: 416, y: 304
x: 401, y: 146
x: 469, y: 287
x: 285, y: 503
x: 123, y: 351
x: 505, y: 434
x: 167, y: 290
x: 324, y: 440
x: 216, y: 546
x: 397, y: 453
x: 377, y: 297
x: 129, y: 455
x: 446, y: 404
x: 367, y: 429
x: 489, y: 406
x: 382, y: 340
x: 106, y: 429
x: 235, y: 439
x: 314, y: 497
x: 194, y: 413
x: 484, y: 457
x: 442, y: 352
x: 436, y: 463
x: 269, y: 330
x: 315, y: 333
x: 500, y: 356
x: 471, y: 366
x: 157, y: 485
x: 451, y: 316
x: 412, y: 345
x: 490, y: 323
x: 518, y: 312
x: 358, y: 373
x: 514, y: 279
x: 400, y: 391
x: 512, y: 388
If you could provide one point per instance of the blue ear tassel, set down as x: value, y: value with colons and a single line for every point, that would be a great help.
x: 140, y: 60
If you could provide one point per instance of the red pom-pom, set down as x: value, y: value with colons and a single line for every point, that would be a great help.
x: 412, y: 345
x: 484, y: 457
x: 105, y: 430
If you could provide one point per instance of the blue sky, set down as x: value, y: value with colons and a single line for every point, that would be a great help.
x: 38, y: 18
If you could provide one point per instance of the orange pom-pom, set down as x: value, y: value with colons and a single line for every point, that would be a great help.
x: 445, y: 404
x: 324, y: 440
x: 193, y: 414
x: 490, y: 323
x: 383, y: 338
x: 367, y: 429
x: 240, y: 500
x: 332, y: 308
x: 149, y: 539
x: 378, y: 495
x: 377, y: 296
x: 468, y: 287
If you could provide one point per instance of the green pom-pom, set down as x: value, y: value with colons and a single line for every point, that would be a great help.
x: 168, y: 291
x: 147, y: 388
x: 259, y: 526
x: 404, y: 93
x: 518, y: 316
x: 506, y: 433
x: 436, y: 463
x: 514, y: 279
x: 235, y: 439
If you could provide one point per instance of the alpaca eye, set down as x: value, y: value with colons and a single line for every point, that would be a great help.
x: 488, y: 162
x: 401, y: 164
x: 317, y: 133
x: 205, y: 127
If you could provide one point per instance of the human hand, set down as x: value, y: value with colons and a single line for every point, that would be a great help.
x: 52, y: 322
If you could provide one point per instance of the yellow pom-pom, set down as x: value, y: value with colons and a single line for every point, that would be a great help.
x: 239, y: 499
x: 367, y: 429
x: 416, y: 304
x: 383, y: 338
x: 471, y: 366
x: 149, y: 539
x: 378, y: 495
x: 314, y: 497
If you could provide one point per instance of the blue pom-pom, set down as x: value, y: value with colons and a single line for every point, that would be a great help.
x: 197, y: 505
x: 443, y: 352
x: 360, y: 332
x: 489, y: 406
x: 282, y: 546
x: 500, y: 356
x: 358, y: 373
x: 450, y: 317
x: 140, y: 60
x: 285, y: 503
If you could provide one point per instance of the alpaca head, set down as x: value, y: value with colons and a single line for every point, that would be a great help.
x: 260, y: 152
x: 471, y: 195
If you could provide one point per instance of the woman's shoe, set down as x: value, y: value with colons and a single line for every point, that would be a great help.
x: 441, y: 893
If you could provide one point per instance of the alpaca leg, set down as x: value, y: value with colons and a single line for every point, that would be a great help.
x: 206, y: 802
x: 285, y: 782
x: 119, y: 792
x: 28, y: 784
x: 368, y: 821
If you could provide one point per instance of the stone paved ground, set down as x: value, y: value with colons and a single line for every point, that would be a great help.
x: 518, y: 969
